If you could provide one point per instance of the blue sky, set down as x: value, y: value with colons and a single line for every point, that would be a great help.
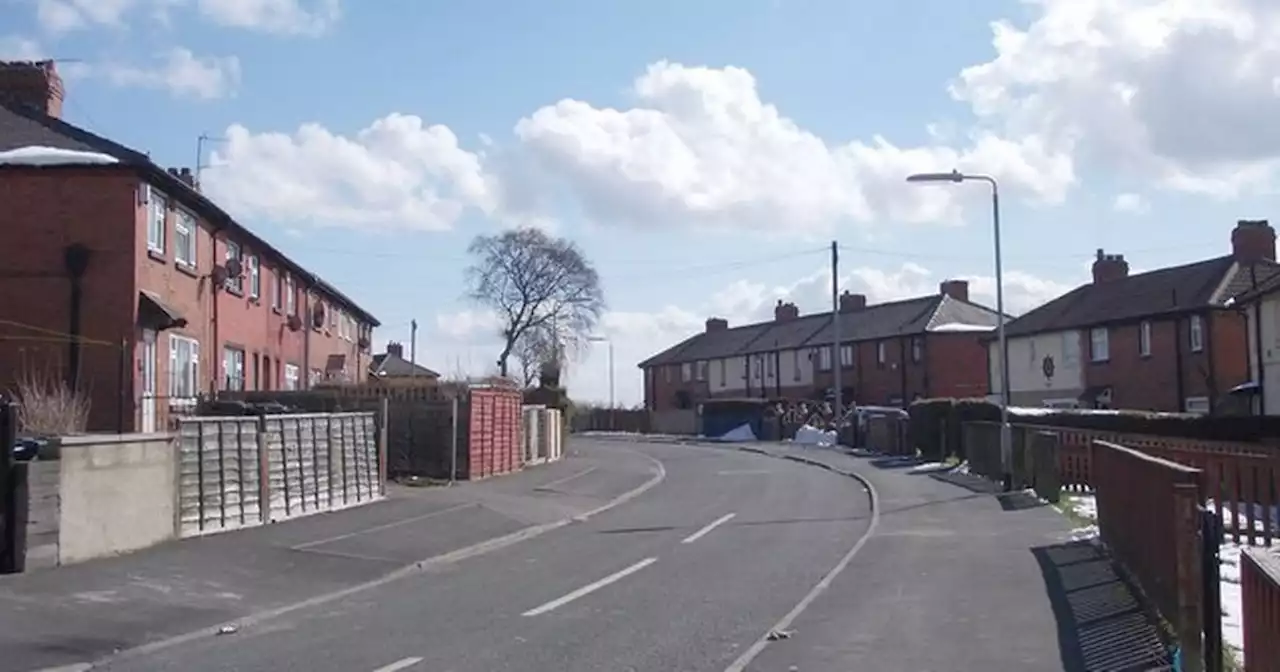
x: 702, y: 153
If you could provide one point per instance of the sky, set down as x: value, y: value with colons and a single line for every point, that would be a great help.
x: 703, y: 154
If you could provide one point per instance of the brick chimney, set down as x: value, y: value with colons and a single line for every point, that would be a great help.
x: 1108, y: 267
x: 717, y: 324
x: 785, y: 311
x: 35, y: 84
x: 395, y: 349
x: 850, y: 302
x: 956, y: 289
x: 1253, y: 240
x: 185, y: 175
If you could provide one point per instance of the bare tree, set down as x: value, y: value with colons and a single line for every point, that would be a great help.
x: 534, y: 349
x: 536, y: 284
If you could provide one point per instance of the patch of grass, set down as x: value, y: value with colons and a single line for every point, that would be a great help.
x: 1066, y: 507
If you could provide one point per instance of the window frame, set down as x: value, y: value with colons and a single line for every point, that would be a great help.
x: 290, y: 295
x: 1144, y: 338
x: 292, y: 376
x: 157, y: 220
x: 824, y: 358
x: 846, y: 356
x: 185, y: 255
x: 1195, y: 333
x: 233, y: 368
x: 1099, y: 354
x: 254, y: 266
x: 234, y: 251
x: 183, y: 374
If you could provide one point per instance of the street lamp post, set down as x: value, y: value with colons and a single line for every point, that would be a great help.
x: 1006, y: 443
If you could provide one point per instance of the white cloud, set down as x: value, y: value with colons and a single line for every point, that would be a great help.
x: 637, y: 335
x: 702, y: 148
x: 1180, y: 91
x: 58, y: 16
x: 286, y: 17
x: 18, y: 48
x: 1131, y: 203
x: 397, y: 173
x: 177, y: 71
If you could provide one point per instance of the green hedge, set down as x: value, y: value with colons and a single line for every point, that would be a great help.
x: 936, y: 439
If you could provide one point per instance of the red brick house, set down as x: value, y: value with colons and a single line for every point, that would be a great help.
x: 890, y: 354
x: 1166, y: 340
x: 125, y: 281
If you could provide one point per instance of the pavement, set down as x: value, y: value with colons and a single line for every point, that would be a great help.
x: 625, y: 556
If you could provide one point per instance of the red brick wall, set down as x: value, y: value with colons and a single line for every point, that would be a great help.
x: 957, y: 365
x: 43, y: 211
x: 667, y: 381
x: 1151, y: 382
x: 47, y: 209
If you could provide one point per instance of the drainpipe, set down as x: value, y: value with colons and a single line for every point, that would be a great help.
x: 305, y: 373
x: 76, y: 261
x: 902, y: 359
x: 1180, y: 386
x: 1208, y: 354
x: 1256, y: 312
x: 216, y: 356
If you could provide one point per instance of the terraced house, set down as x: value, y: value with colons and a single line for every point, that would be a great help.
x: 122, y: 279
x: 889, y: 354
x: 1173, y: 339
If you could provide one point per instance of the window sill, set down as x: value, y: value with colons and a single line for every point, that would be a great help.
x: 187, y: 269
x: 275, y: 309
x: 157, y: 255
x: 238, y: 293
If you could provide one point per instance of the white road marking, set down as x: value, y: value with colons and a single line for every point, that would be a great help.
x: 76, y: 667
x: 566, y: 479
x: 399, y: 665
x: 710, y: 526
x: 590, y: 588
x: 384, y: 526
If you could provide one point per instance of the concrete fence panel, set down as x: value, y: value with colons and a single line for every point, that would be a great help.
x: 116, y: 494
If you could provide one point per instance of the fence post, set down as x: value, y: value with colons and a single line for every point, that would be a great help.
x: 453, y: 441
x: 1187, y: 547
x: 1211, y: 536
x: 264, y: 471
x: 383, y: 410
x: 8, y: 436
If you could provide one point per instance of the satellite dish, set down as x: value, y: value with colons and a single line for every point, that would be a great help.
x: 294, y: 323
x: 234, y: 268
x: 219, y: 276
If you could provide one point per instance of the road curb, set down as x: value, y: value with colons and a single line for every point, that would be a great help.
x: 418, y: 567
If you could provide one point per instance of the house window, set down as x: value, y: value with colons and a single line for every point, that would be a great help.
x: 768, y: 365
x: 1099, y: 346
x: 255, y: 277
x: 184, y: 238
x: 1197, y: 405
x: 184, y: 368
x: 290, y: 295
x: 666, y: 374
x: 235, y: 283
x: 795, y: 365
x: 759, y: 367
x: 314, y: 379
x: 880, y: 353
x: 333, y: 320
x: 917, y: 350
x: 1144, y: 339
x: 277, y: 290
x: 846, y: 356
x: 1197, y: 333
x: 702, y: 370
x: 290, y: 376
x: 686, y: 372
x: 824, y: 358
x: 156, y: 220
x: 233, y: 369
x: 724, y: 372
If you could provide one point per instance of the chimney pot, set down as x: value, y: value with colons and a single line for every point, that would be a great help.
x: 956, y: 289
x: 785, y: 311
x: 717, y: 324
x: 395, y: 349
x: 1253, y: 240
x: 1109, y: 267
x: 34, y: 84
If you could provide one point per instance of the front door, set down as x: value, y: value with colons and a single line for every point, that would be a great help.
x: 147, y: 367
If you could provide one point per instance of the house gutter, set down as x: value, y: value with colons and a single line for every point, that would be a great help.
x: 75, y: 259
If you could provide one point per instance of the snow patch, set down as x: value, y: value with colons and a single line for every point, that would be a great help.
x: 961, y: 327
x: 53, y: 156
x: 809, y: 435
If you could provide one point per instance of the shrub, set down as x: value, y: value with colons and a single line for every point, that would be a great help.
x: 47, y: 407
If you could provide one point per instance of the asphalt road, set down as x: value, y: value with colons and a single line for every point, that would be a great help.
x: 687, y: 576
